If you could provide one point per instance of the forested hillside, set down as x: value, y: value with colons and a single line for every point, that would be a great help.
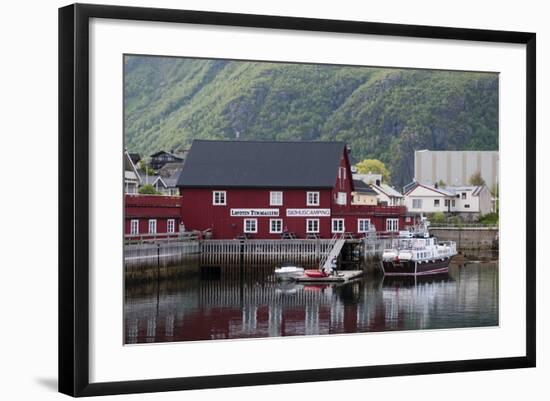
x: 381, y: 113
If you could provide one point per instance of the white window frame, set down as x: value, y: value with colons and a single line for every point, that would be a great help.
x: 316, y: 199
x: 276, y: 198
x: 134, y: 226
x: 218, y: 202
x: 271, y: 230
x: 418, y: 203
x: 171, y: 226
x: 438, y: 203
x: 342, y: 198
x: 250, y: 231
x: 333, y: 221
x: 314, y: 231
x: 152, y: 224
x: 362, y: 222
x: 392, y: 225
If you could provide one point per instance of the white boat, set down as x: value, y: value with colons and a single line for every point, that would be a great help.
x: 288, y: 272
x: 417, y: 253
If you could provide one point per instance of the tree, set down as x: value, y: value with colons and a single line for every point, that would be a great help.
x: 477, y: 179
x: 438, y: 218
x: 373, y: 166
x: 145, y: 168
x: 148, y: 189
x: 441, y: 184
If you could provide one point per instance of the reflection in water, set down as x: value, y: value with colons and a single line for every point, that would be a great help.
x: 233, y: 304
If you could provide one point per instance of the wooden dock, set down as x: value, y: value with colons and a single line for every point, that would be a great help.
x: 341, y: 276
x: 163, y: 252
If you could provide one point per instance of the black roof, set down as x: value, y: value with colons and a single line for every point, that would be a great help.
x: 410, y: 186
x: 249, y: 164
x: 136, y: 157
x: 363, y: 187
x: 167, y: 153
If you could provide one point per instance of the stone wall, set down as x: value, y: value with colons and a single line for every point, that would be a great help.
x: 478, y: 238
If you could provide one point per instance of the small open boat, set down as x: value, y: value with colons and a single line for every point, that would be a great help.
x: 314, y: 273
x: 288, y: 272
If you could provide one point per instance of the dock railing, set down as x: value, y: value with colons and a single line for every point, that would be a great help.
x: 302, y: 251
x: 159, y: 237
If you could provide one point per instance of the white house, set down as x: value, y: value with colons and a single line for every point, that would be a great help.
x: 386, y: 194
x: 157, y: 182
x: 131, y: 176
x: 363, y: 194
x: 468, y: 201
x: 471, y: 198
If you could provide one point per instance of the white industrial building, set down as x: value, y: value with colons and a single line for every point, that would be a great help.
x: 456, y: 167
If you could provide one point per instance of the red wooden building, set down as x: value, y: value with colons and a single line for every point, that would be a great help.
x: 151, y: 215
x: 273, y: 189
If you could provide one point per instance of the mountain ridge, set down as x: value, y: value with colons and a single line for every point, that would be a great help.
x: 383, y: 113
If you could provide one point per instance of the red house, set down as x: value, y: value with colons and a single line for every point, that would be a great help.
x: 274, y: 189
x: 151, y: 215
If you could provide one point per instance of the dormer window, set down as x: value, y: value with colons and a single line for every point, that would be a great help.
x: 276, y: 198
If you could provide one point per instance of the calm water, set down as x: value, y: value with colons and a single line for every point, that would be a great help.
x: 223, y: 303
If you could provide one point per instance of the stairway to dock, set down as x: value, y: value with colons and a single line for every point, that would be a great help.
x: 336, y: 245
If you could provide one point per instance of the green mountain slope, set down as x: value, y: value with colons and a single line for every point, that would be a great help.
x: 381, y: 113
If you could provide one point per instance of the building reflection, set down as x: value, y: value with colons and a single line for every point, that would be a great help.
x: 252, y: 304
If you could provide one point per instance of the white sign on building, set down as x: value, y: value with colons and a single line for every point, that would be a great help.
x: 307, y: 212
x: 254, y: 212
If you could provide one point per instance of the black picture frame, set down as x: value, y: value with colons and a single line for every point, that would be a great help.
x: 74, y: 198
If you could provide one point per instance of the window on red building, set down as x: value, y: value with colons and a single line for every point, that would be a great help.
x: 338, y: 225
x: 171, y: 226
x: 134, y: 227
x: 250, y: 225
x: 312, y: 225
x: 363, y: 225
x: 276, y: 198
x: 152, y: 226
x: 392, y: 224
x: 313, y: 198
x: 275, y: 226
x: 218, y: 198
x: 342, y: 198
